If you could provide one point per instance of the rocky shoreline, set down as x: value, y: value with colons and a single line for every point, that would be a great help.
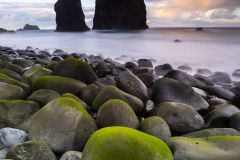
x: 76, y: 106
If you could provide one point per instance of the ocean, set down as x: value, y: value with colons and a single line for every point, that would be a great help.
x: 216, y: 49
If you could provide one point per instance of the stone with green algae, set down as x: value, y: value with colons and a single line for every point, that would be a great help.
x: 10, y: 92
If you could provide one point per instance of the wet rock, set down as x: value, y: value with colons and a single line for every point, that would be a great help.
x: 24, y: 63
x: 213, y: 101
x: 89, y: 93
x: 236, y: 90
x: 169, y: 90
x: 177, y: 41
x: 32, y: 150
x: 122, y: 14
x: 147, y: 78
x: 213, y: 132
x: 11, y: 136
x: 131, y: 84
x: 9, y: 92
x: 71, y: 155
x: 157, y: 127
x: 205, y: 72
x: 115, y: 142
x: 11, y: 74
x: 70, y: 16
x: 220, y: 92
x: 221, y: 77
x: 111, y: 92
x: 131, y: 66
x: 206, y: 80
x: 30, y: 27
x: 202, y: 93
x: 107, y: 81
x: 236, y: 73
x: 235, y: 121
x: 64, y: 124
x: 219, y: 116
x: 162, y: 70
x: 185, y: 68
x: 12, y: 67
x: 185, y: 79
x: 145, y: 63
x: 116, y: 113
x: 181, y: 118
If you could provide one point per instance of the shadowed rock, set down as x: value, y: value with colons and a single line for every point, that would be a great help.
x: 70, y: 16
x: 120, y: 14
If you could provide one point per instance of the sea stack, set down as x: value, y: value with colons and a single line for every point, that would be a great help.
x: 70, y: 16
x: 120, y: 14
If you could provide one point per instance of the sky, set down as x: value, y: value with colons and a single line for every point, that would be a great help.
x: 161, y: 13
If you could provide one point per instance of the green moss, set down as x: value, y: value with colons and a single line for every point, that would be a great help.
x: 9, y: 91
x: 11, y: 67
x: 214, y: 148
x: 77, y: 69
x: 59, y: 84
x: 122, y: 143
x: 11, y: 74
x: 70, y: 95
x: 111, y: 92
x: 32, y: 74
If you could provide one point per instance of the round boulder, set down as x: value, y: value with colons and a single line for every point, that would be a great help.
x: 235, y: 121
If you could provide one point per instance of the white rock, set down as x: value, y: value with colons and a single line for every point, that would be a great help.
x: 71, y: 155
x: 11, y: 136
x: 3, y: 153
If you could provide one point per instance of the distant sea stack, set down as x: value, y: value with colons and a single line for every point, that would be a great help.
x: 120, y: 14
x: 70, y: 16
x: 29, y: 27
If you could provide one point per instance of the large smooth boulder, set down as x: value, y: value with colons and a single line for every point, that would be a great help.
x: 221, y: 77
x: 208, y: 148
x: 32, y: 150
x: 111, y: 92
x: 169, y: 90
x: 64, y: 124
x: 213, y: 132
x: 14, y: 112
x: 156, y: 127
x: 70, y: 16
x: 76, y: 69
x: 71, y: 155
x: 162, y: 70
x: 59, y: 84
x: 11, y: 136
x: 9, y: 91
x: 185, y: 79
x: 206, y: 80
x: 235, y: 121
x: 145, y: 63
x: 12, y: 67
x: 131, y: 84
x: 121, y: 143
x: 181, y: 118
x: 122, y: 14
x: 11, y: 74
x: 116, y: 112
x: 89, y: 93
x: 220, y: 92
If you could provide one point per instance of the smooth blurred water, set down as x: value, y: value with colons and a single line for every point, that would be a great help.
x: 217, y: 49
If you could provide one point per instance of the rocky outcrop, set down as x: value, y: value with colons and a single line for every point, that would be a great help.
x: 70, y: 16
x: 120, y: 14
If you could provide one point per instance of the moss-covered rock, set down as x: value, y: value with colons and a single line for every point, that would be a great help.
x: 209, y: 148
x: 9, y: 91
x: 122, y: 143
x: 70, y: 95
x: 11, y: 74
x: 77, y: 69
x: 111, y: 92
x: 64, y: 124
x: 12, y: 67
x: 116, y: 112
x: 89, y: 93
x: 157, y: 127
x: 24, y: 63
x: 43, y: 96
x: 213, y: 132
x: 181, y: 118
x: 59, y: 84
x: 14, y: 112
x: 32, y: 74
x: 32, y: 150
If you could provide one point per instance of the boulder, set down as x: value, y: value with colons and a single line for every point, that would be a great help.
x: 11, y: 136
x: 156, y: 127
x: 131, y: 66
x: 71, y: 155
x: 147, y: 78
x: 64, y: 124
x: 3, y: 153
x: 14, y: 112
x: 131, y: 84
x: 185, y: 79
x: 206, y: 80
x: 11, y: 74
x: 24, y: 63
x: 11, y: 67
x: 111, y: 92
x: 9, y: 91
x: 70, y: 16
x: 76, y: 69
x: 122, y: 14
x: 59, y: 84
x: 32, y: 74
x: 89, y: 93
x: 236, y: 73
x: 185, y: 68
x: 43, y: 96
x: 235, y: 121
x: 205, y: 72
x: 116, y: 112
x: 162, y: 70
x: 214, y: 148
x: 236, y: 90
x: 32, y: 150
x: 120, y: 143
x: 30, y: 27
x: 220, y: 92
x: 221, y: 77
x: 181, y: 118
x: 70, y: 95
x: 169, y: 90
x: 220, y: 115
x: 213, y: 132
x: 145, y: 63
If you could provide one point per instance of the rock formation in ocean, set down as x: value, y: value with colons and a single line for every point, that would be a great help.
x: 120, y: 14
x: 70, y: 16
